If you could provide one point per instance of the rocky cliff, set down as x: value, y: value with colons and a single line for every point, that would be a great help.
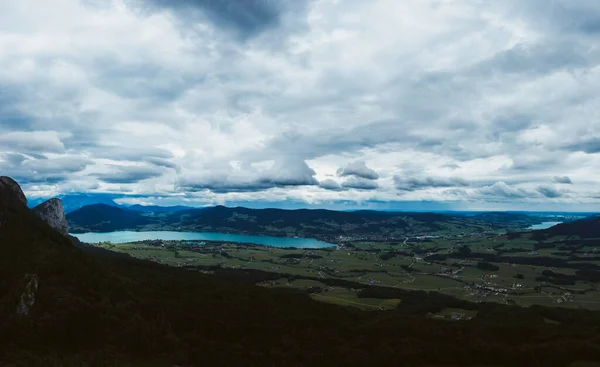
x: 52, y: 212
x: 11, y: 193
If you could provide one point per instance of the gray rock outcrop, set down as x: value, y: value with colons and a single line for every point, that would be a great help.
x: 27, y: 299
x: 52, y: 212
x: 11, y: 193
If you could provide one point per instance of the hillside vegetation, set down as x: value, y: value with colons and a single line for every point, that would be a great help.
x: 88, y: 307
x: 323, y: 224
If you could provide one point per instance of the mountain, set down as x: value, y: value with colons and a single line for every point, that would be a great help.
x: 63, y: 305
x: 75, y: 201
x: 158, y: 209
x: 11, y: 193
x: 52, y: 212
x: 586, y: 228
x: 106, y: 218
x: 319, y: 223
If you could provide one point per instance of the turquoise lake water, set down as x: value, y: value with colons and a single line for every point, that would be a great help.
x: 544, y: 225
x: 128, y: 236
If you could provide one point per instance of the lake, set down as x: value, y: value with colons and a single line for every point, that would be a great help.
x: 129, y: 236
x: 543, y: 225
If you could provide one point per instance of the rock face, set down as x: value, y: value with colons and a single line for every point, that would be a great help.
x: 27, y: 299
x: 11, y: 193
x: 52, y: 212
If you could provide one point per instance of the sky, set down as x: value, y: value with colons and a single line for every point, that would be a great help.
x: 394, y: 104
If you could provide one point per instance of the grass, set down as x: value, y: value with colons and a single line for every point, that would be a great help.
x: 364, y: 265
x: 345, y: 297
x: 449, y: 313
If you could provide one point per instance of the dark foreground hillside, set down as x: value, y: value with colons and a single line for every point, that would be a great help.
x: 96, y: 309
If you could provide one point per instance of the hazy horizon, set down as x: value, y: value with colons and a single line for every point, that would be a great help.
x: 389, y: 206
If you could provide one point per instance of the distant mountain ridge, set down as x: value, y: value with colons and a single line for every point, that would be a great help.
x: 72, y: 202
x: 318, y: 223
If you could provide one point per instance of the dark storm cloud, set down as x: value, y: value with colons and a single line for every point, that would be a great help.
x: 286, y: 172
x: 549, y: 191
x: 13, y: 159
x: 587, y: 145
x: 564, y: 16
x: 371, y: 135
x: 222, y: 186
x: 11, y: 116
x: 562, y: 179
x: 330, y: 184
x: 62, y: 164
x: 418, y: 183
x: 129, y: 174
x: 358, y: 169
x: 146, y: 82
x: 500, y: 190
x: 161, y: 162
x: 360, y: 183
x: 26, y: 106
x: 339, y: 140
x: 243, y: 17
x: 28, y: 169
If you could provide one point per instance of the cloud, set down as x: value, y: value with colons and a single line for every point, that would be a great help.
x: 587, y: 145
x: 418, y: 183
x: 562, y: 179
x: 549, y: 191
x: 263, y: 100
x: 358, y: 169
x: 534, y: 163
x: 360, y: 183
x: 129, y: 174
x: 67, y: 164
x: 330, y: 184
x: 571, y: 17
x: 284, y: 172
x: 123, y: 153
x: 161, y: 162
x: 242, y: 17
x: 290, y: 172
x: 500, y: 190
x: 31, y: 141
x: 29, y: 169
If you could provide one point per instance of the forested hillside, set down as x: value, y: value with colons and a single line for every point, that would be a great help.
x: 64, y: 306
x: 324, y: 224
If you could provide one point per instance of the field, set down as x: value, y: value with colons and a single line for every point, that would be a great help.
x: 510, y: 269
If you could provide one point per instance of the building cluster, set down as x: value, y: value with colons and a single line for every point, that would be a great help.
x: 485, y: 290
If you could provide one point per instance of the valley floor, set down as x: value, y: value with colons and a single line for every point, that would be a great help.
x: 519, y: 271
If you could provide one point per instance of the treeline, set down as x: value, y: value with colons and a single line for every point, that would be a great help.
x: 520, y: 260
x: 416, y: 302
x: 566, y: 279
x: 587, y: 228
